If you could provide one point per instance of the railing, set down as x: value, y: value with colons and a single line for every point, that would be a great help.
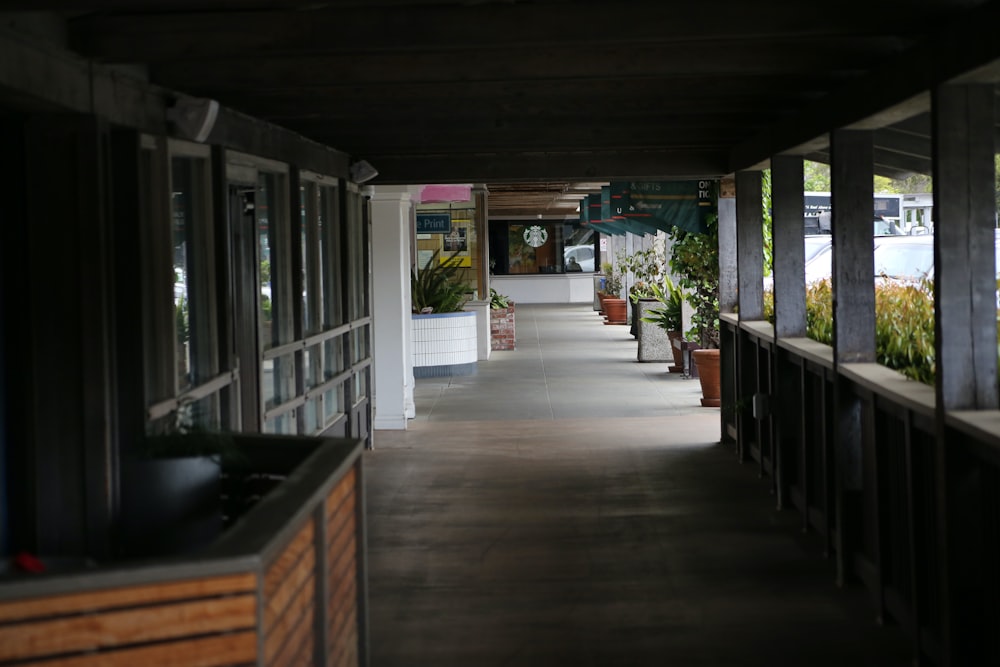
x: 907, y: 501
x: 284, y: 585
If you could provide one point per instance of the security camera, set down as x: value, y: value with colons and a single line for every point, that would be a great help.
x: 362, y: 172
x: 194, y: 117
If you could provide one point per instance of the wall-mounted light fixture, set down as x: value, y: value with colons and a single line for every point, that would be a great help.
x: 194, y: 117
x: 362, y: 171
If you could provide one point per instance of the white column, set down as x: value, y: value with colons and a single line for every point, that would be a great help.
x: 391, y: 208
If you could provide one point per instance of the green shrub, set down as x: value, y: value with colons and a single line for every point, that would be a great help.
x: 498, y: 300
x: 436, y: 288
x: 904, y: 324
x: 669, y: 316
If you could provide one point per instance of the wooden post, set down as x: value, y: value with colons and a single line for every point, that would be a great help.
x: 788, y: 204
x: 750, y: 297
x: 727, y: 246
x: 750, y: 245
x: 965, y: 344
x: 852, y: 198
x: 788, y: 208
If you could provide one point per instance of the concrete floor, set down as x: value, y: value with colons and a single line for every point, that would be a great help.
x: 570, y: 506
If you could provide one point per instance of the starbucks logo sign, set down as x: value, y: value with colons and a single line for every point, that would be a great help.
x: 536, y: 236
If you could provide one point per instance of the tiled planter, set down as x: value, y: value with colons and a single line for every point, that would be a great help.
x: 444, y: 344
x: 502, y: 328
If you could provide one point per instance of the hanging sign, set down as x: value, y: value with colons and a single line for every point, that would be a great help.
x: 433, y: 223
x: 666, y: 204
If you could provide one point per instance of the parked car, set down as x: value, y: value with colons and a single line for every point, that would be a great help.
x: 582, y: 254
x: 815, y: 246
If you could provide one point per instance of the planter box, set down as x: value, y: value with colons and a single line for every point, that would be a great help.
x: 253, y: 596
x: 654, y: 345
x: 502, y: 335
x: 444, y: 344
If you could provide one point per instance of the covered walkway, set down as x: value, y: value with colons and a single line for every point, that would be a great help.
x: 570, y: 506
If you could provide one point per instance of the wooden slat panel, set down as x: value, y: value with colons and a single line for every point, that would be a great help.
x: 335, y: 521
x: 95, y: 631
x: 294, y: 619
x: 345, y: 487
x: 125, y: 597
x: 342, y: 570
x: 278, y: 570
x: 342, y: 605
x: 337, y: 537
x: 298, y: 650
x: 344, y: 646
x: 233, y: 649
x: 277, y: 603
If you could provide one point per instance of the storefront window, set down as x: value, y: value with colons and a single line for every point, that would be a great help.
x: 542, y: 247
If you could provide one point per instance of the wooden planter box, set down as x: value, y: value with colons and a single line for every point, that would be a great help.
x: 284, y: 585
x: 502, y: 333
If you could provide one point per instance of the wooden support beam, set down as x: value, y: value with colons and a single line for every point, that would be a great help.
x: 788, y: 205
x: 547, y: 166
x: 893, y: 91
x: 329, y: 27
x: 853, y: 324
x: 962, y: 121
x: 964, y: 280
x: 853, y: 267
x: 728, y: 301
x: 750, y: 245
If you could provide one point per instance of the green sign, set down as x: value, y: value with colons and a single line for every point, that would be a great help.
x: 665, y: 204
x: 433, y: 223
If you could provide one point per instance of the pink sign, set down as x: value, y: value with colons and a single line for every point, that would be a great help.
x: 435, y: 194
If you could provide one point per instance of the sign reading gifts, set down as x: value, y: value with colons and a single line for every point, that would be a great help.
x: 665, y: 204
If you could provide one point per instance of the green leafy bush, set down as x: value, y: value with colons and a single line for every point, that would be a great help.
x: 669, y: 316
x: 436, y: 288
x: 695, y: 258
x: 498, y: 300
x: 904, y: 324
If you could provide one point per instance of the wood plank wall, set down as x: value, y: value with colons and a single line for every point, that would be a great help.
x: 342, y: 552
x: 290, y: 602
x: 341, y: 566
x: 213, y: 621
x: 207, y: 622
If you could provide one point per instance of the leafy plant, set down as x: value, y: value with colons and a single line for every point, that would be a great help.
x: 669, y: 316
x: 646, y: 266
x: 437, y: 288
x: 904, y: 324
x: 613, y: 284
x: 694, y: 257
x: 499, y: 301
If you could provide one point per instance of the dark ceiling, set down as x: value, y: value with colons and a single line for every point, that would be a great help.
x: 548, y: 93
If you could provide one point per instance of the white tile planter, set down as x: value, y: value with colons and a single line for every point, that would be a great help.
x: 444, y: 344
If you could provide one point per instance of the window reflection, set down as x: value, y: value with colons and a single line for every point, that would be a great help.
x: 181, y: 235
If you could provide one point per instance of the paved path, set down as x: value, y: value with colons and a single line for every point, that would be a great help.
x: 570, y: 506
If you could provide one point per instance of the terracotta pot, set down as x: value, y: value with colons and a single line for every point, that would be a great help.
x: 707, y: 362
x: 616, y: 310
x: 678, y: 366
x: 601, y: 296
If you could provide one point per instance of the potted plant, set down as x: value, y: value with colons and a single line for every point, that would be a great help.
x: 443, y: 334
x: 669, y: 317
x: 646, y: 268
x: 694, y: 257
x: 502, y: 332
x: 614, y: 305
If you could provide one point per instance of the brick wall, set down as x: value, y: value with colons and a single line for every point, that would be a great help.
x: 502, y: 328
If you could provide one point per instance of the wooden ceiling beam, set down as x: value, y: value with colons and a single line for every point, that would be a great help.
x: 542, y: 166
x: 896, y: 89
x: 319, y: 28
x: 639, y: 65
